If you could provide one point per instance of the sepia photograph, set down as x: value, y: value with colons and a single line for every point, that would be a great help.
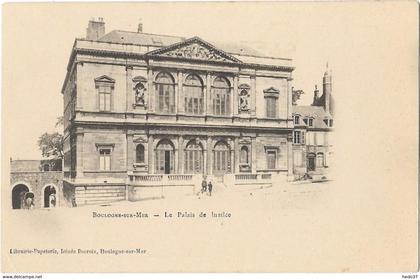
x: 210, y: 137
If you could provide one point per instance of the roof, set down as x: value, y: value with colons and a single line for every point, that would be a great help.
x: 146, y: 39
x: 316, y: 112
x: 157, y: 40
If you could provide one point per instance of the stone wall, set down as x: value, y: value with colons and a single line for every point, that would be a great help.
x: 36, y: 181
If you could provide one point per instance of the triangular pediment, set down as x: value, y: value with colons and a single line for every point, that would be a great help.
x: 104, y: 78
x: 194, y: 49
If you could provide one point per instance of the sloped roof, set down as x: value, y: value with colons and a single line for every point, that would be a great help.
x: 146, y: 39
x: 156, y: 40
x: 316, y: 112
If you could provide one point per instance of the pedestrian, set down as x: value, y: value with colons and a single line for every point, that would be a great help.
x: 210, y: 186
x: 204, y: 185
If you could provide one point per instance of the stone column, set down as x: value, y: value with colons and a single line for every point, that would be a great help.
x: 129, y: 89
x: 237, y: 154
x: 208, y: 97
x: 233, y: 162
x: 151, y: 91
x: 180, y: 99
x: 150, y: 157
x: 79, y: 153
x: 235, y: 95
x: 289, y: 102
x: 254, y: 154
x: 289, y: 157
x: 253, y: 95
x: 130, y: 152
x: 181, y: 154
x: 209, y: 158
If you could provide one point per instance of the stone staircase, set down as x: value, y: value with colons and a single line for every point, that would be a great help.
x: 85, y: 195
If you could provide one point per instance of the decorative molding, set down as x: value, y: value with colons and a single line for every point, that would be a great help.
x: 194, y: 48
x: 271, y: 92
x: 105, y: 145
x: 105, y: 78
x: 140, y: 139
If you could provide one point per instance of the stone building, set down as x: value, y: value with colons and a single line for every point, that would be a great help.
x: 36, y: 184
x: 142, y: 110
x: 312, y: 148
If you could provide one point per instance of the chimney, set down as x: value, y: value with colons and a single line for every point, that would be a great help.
x: 316, y: 95
x: 140, y: 27
x: 96, y: 29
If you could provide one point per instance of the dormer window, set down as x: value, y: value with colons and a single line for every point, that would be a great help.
x: 331, y: 123
x: 296, y: 119
x: 310, y: 122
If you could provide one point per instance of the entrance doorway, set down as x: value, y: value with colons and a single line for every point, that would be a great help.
x: 311, y: 162
x: 167, y: 162
x: 165, y: 157
x: 18, y: 196
x: 221, y: 159
x: 50, y: 198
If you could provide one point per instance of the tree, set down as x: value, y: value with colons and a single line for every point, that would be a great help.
x: 51, y: 144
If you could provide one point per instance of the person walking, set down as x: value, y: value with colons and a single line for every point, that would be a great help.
x: 204, y: 185
x: 210, y: 186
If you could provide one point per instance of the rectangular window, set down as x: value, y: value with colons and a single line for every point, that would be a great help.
x: 310, y: 122
x: 296, y: 137
x: 105, y: 98
x: 271, y: 159
x: 296, y: 120
x: 105, y: 159
x: 271, y: 107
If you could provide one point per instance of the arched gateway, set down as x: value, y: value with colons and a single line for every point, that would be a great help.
x: 18, y: 196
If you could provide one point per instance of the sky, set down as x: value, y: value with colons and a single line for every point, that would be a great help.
x: 38, y: 39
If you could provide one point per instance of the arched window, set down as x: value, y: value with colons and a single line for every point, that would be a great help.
x: 320, y: 159
x: 165, y: 93
x: 221, y: 96
x: 140, y: 154
x: 244, y: 159
x: 164, y: 157
x: 221, y: 158
x: 193, y: 158
x: 193, y: 95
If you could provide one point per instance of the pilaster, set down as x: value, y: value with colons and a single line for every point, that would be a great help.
x: 180, y: 100
x: 150, y: 157
x: 254, y: 154
x: 208, y: 96
x: 237, y: 154
x: 150, y: 90
x: 79, y: 153
x: 130, y: 152
x: 181, y: 154
x: 253, y: 95
x: 129, y: 89
x: 235, y: 96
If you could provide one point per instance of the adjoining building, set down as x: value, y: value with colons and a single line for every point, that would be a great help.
x: 312, y: 148
x: 36, y: 183
x: 140, y: 108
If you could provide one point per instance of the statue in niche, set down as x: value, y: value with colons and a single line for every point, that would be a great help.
x: 243, y: 100
x: 139, y: 94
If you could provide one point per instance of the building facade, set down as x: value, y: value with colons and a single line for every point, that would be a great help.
x: 139, y: 106
x: 312, y: 146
